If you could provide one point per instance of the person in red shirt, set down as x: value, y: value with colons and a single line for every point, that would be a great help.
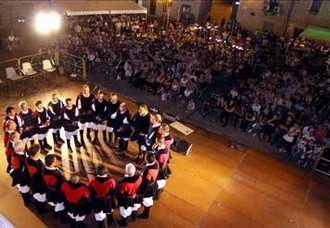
x: 103, y: 189
x: 77, y: 200
x: 13, y: 137
x: 12, y: 115
x: 148, y: 189
x: 127, y: 194
x: 19, y: 171
x: 162, y: 156
x: 10, y: 126
x: 53, y: 179
x: 34, y: 166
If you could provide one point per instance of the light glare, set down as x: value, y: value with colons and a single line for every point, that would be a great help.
x: 47, y: 22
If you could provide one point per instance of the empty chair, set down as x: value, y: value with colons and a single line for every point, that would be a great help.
x: 48, y: 66
x: 27, y: 69
x: 12, y: 74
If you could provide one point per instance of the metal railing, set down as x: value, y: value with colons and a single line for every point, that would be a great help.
x: 73, y: 65
x: 70, y: 64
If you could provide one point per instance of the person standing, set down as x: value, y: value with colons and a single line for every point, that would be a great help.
x: 28, y: 123
x: 141, y: 123
x: 127, y: 197
x: 122, y: 128
x: 113, y: 107
x: 42, y: 121
x: 86, y: 105
x: 150, y: 137
x: 101, y: 110
x: 148, y: 189
x: 53, y: 180
x: 162, y: 157
x: 103, y: 188
x: 34, y: 167
x: 10, y: 127
x: 55, y: 108
x: 13, y: 137
x: 70, y: 120
x: 19, y: 171
x: 12, y: 115
x: 77, y: 200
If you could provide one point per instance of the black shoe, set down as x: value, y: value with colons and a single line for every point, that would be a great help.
x: 26, y: 199
x: 89, y: 134
x: 41, y: 208
x: 63, y: 217
x: 122, y: 222
x: 48, y: 147
x: 109, y: 219
x: 77, y: 143
x: 143, y: 216
x: 89, y: 138
x: 159, y: 192
x: 58, y: 137
x: 134, y: 215
x: 96, y: 141
x: 56, y: 142
x: 104, y: 136
x: 145, y: 213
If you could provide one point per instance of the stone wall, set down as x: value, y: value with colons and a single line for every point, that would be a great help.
x: 199, y: 8
x: 252, y: 16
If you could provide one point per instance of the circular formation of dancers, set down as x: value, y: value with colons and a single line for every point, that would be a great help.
x: 41, y: 182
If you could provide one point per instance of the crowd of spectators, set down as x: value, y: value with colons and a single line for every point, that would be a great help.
x: 280, y: 89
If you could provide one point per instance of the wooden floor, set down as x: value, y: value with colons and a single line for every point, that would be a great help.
x: 212, y: 187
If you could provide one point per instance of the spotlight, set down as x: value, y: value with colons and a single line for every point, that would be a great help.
x: 47, y: 22
x: 55, y: 21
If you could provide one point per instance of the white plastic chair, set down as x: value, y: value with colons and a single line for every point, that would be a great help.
x: 12, y: 74
x: 27, y: 69
x: 47, y: 66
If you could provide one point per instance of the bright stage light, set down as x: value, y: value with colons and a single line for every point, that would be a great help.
x: 47, y: 22
x: 55, y: 20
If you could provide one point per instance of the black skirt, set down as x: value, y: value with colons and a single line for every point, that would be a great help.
x: 56, y: 123
x: 21, y: 178
x: 125, y: 201
x: 69, y: 127
x: 150, y: 191
x: 102, y: 204
x: 164, y: 173
x: 28, y: 133
x: 42, y: 130
x: 86, y: 118
x: 82, y: 208
x: 54, y: 196
x: 38, y: 186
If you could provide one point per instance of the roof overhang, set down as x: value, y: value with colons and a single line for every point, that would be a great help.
x: 78, y: 8
x: 317, y: 34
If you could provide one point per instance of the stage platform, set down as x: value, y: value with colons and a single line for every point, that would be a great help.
x: 214, y: 186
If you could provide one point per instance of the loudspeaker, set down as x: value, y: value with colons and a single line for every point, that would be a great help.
x: 323, y: 163
x: 277, y: 9
x: 170, y: 117
x: 266, y: 7
x: 181, y: 146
